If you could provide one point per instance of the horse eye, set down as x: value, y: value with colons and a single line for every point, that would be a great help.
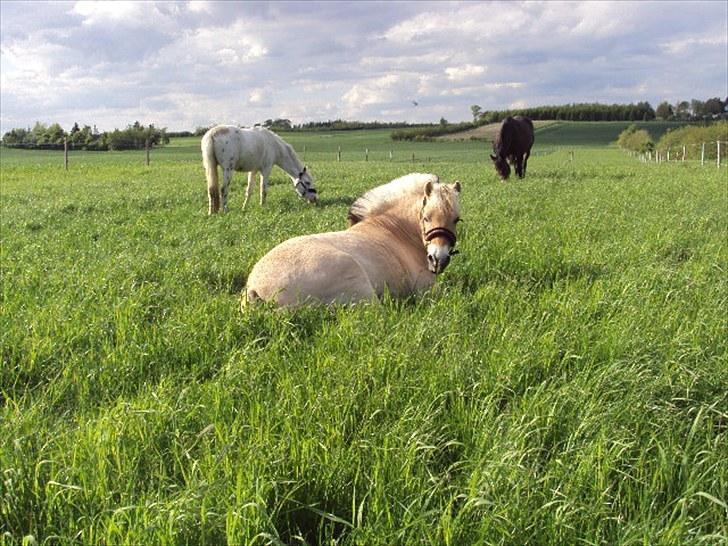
x: 457, y: 219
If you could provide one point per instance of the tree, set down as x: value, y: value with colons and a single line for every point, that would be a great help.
x: 664, y: 110
x: 476, y: 111
x: 443, y: 121
x: 713, y: 106
x: 682, y: 109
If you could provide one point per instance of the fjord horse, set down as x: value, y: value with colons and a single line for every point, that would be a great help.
x: 251, y: 150
x: 512, y: 145
x: 400, y: 236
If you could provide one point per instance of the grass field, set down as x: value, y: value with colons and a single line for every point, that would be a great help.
x: 565, y: 382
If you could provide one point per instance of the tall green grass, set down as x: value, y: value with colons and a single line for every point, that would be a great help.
x: 564, y: 382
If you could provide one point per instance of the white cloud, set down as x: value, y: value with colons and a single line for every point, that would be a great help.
x: 182, y: 64
x: 465, y: 72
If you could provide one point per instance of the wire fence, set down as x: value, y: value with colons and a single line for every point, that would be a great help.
x: 705, y: 152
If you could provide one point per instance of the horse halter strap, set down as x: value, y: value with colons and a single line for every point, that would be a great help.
x: 441, y: 232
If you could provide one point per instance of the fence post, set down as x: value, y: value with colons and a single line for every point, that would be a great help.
x: 390, y: 155
x: 338, y: 153
x: 702, y: 155
x: 65, y: 153
x: 146, y: 146
x: 304, y: 153
x: 366, y: 154
x: 717, y: 161
x: 413, y: 158
x: 683, y: 157
x: 668, y: 155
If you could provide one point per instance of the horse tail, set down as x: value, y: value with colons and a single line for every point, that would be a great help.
x: 209, y: 161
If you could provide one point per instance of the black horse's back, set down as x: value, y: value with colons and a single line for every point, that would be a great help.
x: 512, y: 144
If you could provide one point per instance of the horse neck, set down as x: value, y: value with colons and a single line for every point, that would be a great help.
x: 287, y: 160
x: 404, y: 227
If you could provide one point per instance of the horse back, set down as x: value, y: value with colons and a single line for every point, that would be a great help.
x: 243, y: 149
x: 514, y: 137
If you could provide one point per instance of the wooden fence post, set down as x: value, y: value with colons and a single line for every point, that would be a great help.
x: 304, y: 153
x: 683, y: 157
x: 146, y: 146
x: 338, y: 153
x: 65, y: 153
x: 702, y: 155
x: 366, y: 154
x: 717, y: 161
x: 413, y: 158
x: 390, y: 155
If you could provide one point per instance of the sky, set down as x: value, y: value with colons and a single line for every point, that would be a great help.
x: 189, y: 64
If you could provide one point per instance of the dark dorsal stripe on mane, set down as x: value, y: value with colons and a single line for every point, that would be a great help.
x: 379, y: 199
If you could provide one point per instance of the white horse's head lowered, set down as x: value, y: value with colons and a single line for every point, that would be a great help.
x: 304, y: 186
x: 440, y: 212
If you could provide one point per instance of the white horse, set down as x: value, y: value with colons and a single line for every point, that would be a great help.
x: 250, y: 150
x: 401, y: 235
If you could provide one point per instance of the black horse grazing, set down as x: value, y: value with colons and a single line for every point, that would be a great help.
x: 512, y: 145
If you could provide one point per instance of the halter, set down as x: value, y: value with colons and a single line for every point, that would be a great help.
x: 441, y: 232
x: 306, y: 187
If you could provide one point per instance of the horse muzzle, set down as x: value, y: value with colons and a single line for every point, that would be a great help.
x: 438, y: 254
x: 437, y: 260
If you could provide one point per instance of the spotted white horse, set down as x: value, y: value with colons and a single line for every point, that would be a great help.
x: 253, y: 151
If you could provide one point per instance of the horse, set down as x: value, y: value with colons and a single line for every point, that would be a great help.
x: 400, y: 236
x: 512, y: 145
x: 252, y: 150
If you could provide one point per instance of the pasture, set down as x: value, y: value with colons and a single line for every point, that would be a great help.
x: 565, y: 382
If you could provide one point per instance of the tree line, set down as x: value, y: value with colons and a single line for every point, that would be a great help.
x: 695, y: 110
x: 594, y: 111
x: 52, y: 137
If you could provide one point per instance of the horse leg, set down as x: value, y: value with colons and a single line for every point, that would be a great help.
x: 525, y: 161
x: 263, y: 186
x: 227, y: 175
x: 213, y: 190
x: 248, y: 188
x: 519, y: 166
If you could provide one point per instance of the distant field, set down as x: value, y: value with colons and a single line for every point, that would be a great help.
x: 488, y: 132
x: 354, y: 144
x: 571, y: 133
x: 565, y: 382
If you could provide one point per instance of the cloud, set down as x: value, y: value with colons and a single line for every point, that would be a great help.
x: 465, y: 72
x: 183, y: 64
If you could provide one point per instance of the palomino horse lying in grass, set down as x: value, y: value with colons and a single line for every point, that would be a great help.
x: 251, y: 150
x: 400, y: 235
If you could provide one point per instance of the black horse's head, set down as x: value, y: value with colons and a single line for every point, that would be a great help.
x: 502, y: 166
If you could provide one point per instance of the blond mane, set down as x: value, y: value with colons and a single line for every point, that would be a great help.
x: 384, y: 197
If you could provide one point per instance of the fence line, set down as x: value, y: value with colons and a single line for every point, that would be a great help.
x: 682, y: 153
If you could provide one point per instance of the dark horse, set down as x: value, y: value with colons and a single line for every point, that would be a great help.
x: 512, y: 145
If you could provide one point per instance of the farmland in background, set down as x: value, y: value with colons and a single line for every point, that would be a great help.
x: 564, y: 382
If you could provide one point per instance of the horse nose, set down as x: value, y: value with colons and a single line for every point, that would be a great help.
x: 437, y: 265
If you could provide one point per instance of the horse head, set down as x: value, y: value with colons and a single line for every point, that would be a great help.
x: 438, y: 217
x: 502, y: 166
x: 304, y: 186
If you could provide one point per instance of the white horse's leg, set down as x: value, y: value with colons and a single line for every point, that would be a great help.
x: 263, y: 186
x: 248, y: 188
x: 227, y: 176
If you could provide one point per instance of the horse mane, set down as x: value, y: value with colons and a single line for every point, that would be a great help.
x: 382, y: 198
x: 282, y: 145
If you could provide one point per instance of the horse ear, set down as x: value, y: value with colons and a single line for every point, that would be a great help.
x: 304, y: 168
x: 456, y: 186
x: 492, y: 157
x: 428, y: 188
